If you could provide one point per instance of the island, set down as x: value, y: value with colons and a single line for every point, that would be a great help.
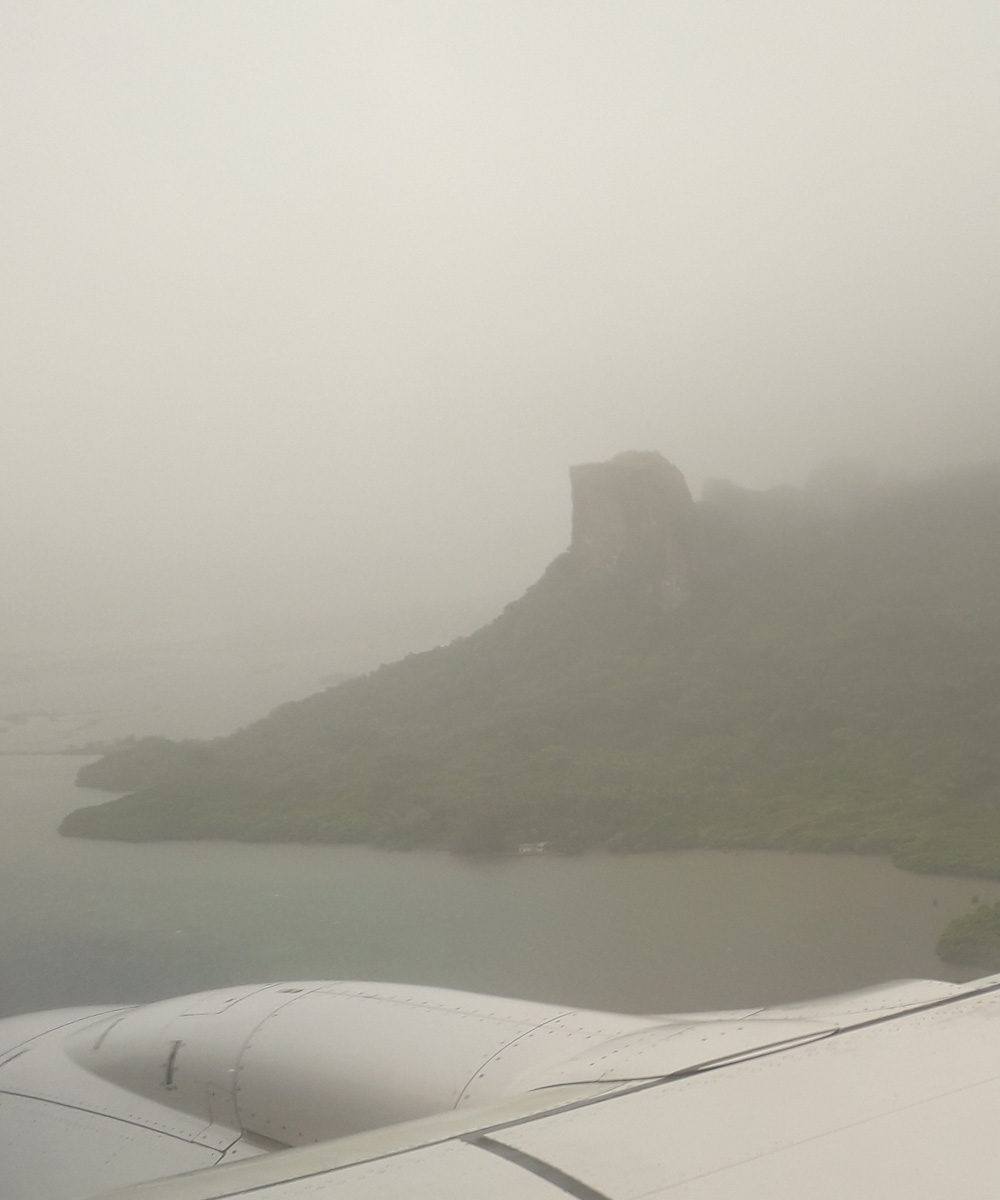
x: 812, y: 668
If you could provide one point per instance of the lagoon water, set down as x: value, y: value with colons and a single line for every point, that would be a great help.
x: 88, y: 922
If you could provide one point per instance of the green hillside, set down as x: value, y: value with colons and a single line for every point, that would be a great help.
x: 821, y: 673
x: 973, y: 939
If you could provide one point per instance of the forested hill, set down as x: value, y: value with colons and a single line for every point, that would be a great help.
x: 814, y: 669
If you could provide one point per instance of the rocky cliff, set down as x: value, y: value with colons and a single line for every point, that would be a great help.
x: 633, y: 520
x: 758, y: 669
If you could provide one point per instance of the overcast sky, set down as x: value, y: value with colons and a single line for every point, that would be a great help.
x: 319, y: 300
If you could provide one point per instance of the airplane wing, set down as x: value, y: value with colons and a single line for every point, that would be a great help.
x: 893, y: 1092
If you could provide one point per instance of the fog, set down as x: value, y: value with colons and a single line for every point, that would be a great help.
x: 307, y: 307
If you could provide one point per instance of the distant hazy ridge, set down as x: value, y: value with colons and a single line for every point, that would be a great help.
x: 812, y: 668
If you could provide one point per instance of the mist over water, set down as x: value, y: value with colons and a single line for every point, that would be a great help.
x: 203, y: 683
x: 306, y: 309
x: 93, y: 922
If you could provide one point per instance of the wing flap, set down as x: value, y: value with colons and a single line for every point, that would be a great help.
x: 922, y: 1090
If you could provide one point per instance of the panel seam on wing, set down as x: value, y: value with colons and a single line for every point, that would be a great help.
x: 537, y: 1166
x: 190, y: 1141
x: 507, y: 1045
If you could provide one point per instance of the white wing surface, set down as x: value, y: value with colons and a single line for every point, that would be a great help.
x: 893, y: 1092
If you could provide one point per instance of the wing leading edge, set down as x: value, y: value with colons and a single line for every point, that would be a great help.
x: 892, y: 1092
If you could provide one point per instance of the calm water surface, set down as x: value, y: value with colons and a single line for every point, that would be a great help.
x: 88, y: 922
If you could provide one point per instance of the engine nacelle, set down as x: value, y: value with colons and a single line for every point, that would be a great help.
x: 306, y: 1062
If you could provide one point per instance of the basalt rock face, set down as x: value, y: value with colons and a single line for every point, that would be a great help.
x: 634, y: 523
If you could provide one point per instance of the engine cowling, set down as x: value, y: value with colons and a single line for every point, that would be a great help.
x: 305, y: 1062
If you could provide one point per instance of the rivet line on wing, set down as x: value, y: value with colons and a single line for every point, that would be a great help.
x: 506, y: 1046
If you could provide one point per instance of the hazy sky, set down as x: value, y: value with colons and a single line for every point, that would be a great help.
x: 316, y: 301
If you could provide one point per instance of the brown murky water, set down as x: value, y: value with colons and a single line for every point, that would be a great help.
x: 84, y: 922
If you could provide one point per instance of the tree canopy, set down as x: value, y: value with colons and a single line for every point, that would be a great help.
x: 830, y: 682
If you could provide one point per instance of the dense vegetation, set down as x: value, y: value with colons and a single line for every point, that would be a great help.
x: 831, y: 682
x: 973, y: 939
